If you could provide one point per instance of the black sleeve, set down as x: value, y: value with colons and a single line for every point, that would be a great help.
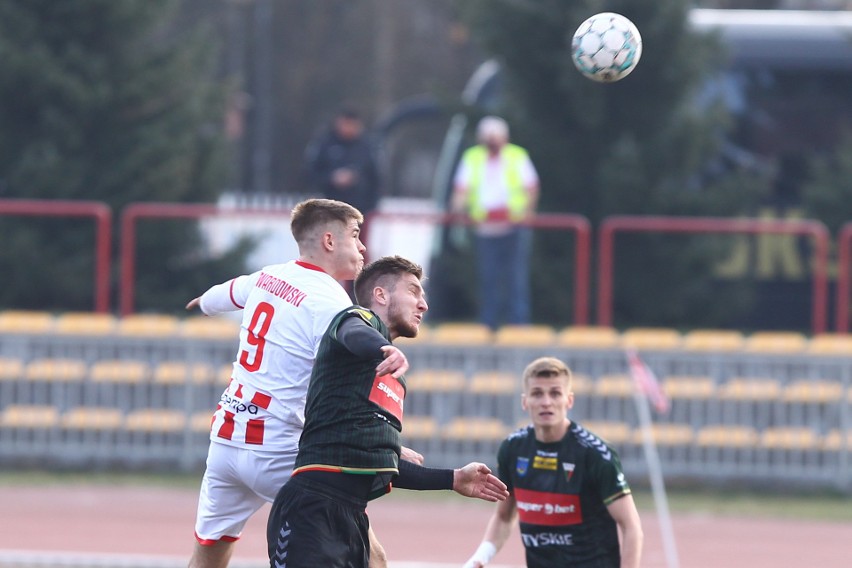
x: 361, y: 339
x: 419, y: 478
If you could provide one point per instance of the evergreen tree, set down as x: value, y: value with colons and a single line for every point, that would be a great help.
x: 647, y: 144
x: 106, y: 101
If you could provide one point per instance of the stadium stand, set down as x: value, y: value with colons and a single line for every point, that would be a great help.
x: 25, y: 322
x: 588, y: 337
x: 525, y: 336
x: 85, y: 323
x: 148, y: 325
x: 785, y: 342
x: 461, y: 334
x: 713, y: 340
x: 204, y: 327
x: 651, y: 338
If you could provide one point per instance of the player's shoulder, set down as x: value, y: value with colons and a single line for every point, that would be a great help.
x: 521, y: 434
x: 593, y: 443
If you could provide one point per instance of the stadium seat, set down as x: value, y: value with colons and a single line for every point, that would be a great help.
x: 155, y: 420
x: 475, y: 428
x: 148, y: 325
x: 92, y: 418
x: 750, y: 389
x: 461, y: 334
x: 834, y: 440
x: 119, y: 371
x: 494, y: 382
x: 25, y: 322
x: 789, y: 438
x: 727, y: 436
x: 179, y: 372
x: 419, y: 427
x: 581, y: 384
x: 85, y: 323
x: 812, y: 391
x: 205, y: 327
x: 11, y: 369
x: 617, y: 385
x: 525, y: 336
x: 651, y: 338
x: 201, y: 421
x: 588, y: 337
x: 713, y: 340
x: 689, y: 387
x: 55, y: 370
x: 423, y: 335
x: 609, y: 431
x: 36, y: 416
x: 665, y: 434
x: 435, y: 380
x: 771, y: 342
x: 831, y: 344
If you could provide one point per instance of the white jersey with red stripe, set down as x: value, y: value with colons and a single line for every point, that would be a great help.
x: 286, y: 310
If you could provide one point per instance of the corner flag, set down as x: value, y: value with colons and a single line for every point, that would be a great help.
x: 647, y: 382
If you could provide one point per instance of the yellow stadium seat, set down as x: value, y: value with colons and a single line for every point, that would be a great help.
x: 435, y: 380
x: 588, y: 337
x: 25, y: 321
x: 119, y: 371
x: 201, y: 421
x: 475, y: 428
x: 748, y: 388
x: 775, y: 342
x: 29, y: 416
x: 461, y: 334
x: 423, y: 335
x: 831, y: 344
x: 651, y: 338
x: 609, y: 431
x: 615, y: 385
x: 494, y: 382
x: 835, y: 440
x: 59, y: 370
x: 148, y: 325
x: 155, y: 420
x: 178, y: 372
x: 85, y: 323
x: 789, y: 438
x: 727, y: 436
x: 713, y: 340
x: 686, y: 386
x: 812, y: 391
x: 667, y: 435
x: 419, y: 427
x: 525, y: 336
x: 11, y: 369
x: 581, y: 384
x: 92, y: 418
x: 204, y: 327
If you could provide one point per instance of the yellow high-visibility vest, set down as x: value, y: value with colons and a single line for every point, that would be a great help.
x: 513, y: 158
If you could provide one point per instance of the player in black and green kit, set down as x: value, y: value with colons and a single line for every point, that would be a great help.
x: 567, y: 487
x: 350, y: 445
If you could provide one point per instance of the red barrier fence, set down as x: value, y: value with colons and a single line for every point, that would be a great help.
x: 136, y: 211
x: 844, y: 246
x: 100, y: 212
x: 647, y: 224
x: 546, y: 221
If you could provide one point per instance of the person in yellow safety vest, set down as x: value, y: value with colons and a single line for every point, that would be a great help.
x: 497, y: 185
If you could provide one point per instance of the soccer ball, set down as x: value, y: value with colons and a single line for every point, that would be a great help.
x: 606, y: 47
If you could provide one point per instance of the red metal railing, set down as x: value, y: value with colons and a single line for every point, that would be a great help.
x: 136, y: 211
x: 844, y: 250
x: 546, y: 221
x: 100, y: 212
x: 612, y: 225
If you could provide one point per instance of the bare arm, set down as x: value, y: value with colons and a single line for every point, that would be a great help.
x: 624, y: 512
x: 497, y: 532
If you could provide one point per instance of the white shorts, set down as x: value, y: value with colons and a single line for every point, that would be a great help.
x: 235, y: 485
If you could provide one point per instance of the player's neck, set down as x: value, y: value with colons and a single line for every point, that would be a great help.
x: 553, y: 433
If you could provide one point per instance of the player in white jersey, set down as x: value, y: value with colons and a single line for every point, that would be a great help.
x: 256, y: 427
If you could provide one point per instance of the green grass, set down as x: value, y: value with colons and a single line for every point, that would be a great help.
x: 716, y: 500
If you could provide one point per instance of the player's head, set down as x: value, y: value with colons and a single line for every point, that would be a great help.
x: 328, y: 234
x: 391, y: 286
x: 493, y: 132
x: 547, y: 395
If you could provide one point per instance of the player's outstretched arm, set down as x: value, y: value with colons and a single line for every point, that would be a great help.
x: 475, y: 480
x: 624, y: 513
x: 193, y: 303
x: 496, y: 533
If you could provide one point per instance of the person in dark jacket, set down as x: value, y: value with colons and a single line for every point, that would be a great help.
x: 342, y: 165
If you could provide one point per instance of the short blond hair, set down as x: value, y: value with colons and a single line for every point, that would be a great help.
x: 547, y: 367
x: 314, y: 214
